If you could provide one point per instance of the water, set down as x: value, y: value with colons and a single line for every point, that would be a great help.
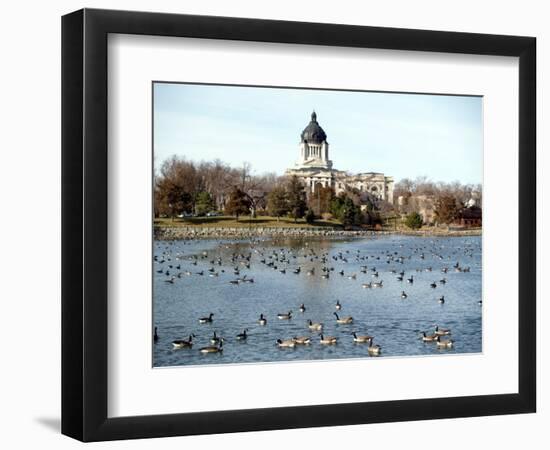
x: 394, y: 322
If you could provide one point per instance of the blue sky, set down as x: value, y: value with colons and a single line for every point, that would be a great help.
x: 403, y: 135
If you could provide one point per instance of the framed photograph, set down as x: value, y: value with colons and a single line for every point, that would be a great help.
x: 273, y: 224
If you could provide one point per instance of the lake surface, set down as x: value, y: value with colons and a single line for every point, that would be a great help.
x: 394, y: 322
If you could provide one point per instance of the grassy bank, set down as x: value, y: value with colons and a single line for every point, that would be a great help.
x: 244, y: 222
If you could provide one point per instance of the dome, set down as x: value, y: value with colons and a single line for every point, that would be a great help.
x: 313, y: 133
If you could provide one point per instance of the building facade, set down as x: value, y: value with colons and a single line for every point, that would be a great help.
x: 314, y: 168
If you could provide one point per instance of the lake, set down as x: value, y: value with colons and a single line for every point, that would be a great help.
x: 202, y: 272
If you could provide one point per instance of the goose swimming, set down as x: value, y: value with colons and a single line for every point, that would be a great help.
x: 343, y: 320
x: 206, y: 319
x: 181, y: 343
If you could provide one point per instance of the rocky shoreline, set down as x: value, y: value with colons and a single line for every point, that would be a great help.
x: 175, y: 233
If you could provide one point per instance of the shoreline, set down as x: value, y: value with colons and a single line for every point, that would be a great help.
x: 178, y: 233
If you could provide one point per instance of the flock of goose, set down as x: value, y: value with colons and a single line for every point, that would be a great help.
x: 175, y: 265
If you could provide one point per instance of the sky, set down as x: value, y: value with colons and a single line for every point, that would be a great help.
x: 401, y: 135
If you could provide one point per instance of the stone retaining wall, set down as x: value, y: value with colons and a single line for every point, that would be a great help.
x: 172, y: 233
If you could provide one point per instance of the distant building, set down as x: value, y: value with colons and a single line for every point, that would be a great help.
x: 315, y: 168
x: 422, y: 204
x: 469, y: 217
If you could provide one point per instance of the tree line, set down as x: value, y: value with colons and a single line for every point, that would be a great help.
x: 184, y: 187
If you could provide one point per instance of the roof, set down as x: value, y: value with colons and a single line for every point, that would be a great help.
x: 313, y: 133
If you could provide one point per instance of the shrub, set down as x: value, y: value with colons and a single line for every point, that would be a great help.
x: 414, y: 221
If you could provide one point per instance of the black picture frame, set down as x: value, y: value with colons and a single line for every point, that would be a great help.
x: 84, y: 224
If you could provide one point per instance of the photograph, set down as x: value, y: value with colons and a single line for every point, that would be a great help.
x: 297, y: 224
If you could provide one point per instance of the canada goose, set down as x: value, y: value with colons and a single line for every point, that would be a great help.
x: 327, y: 340
x: 428, y: 338
x: 403, y: 294
x: 213, y: 348
x: 374, y: 349
x: 352, y: 277
x: 410, y: 280
x: 433, y: 285
x: 366, y: 285
x: 442, y: 331
x: 441, y: 299
x: 443, y: 280
x: 262, y: 320
x: 180, y: 343
x: 315, y: 326
x: 343, y: 320
x: 215, y: 339
x: 302, y: 308
x: 233, y: 281
x: 325, y: 276
x: 170, y: 280
x: 242, y: 336
x: 338, y: 306
x: 301, y: 340
x: 378, y: 284
x: 360, y: 339
x: 447, y: 343
x: 399, y: 278
x: 290, y: 343
x: 297, y: 271
x: 287, y: 316
x: 206, y: 319
x: 155, y: 335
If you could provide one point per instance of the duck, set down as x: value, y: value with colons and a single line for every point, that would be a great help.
x: 315, y: 326
x: 374, y: 349
x: 301, y: 340
x: 286, y: 316
x: 343, y: 320
x: 328, y: 340
x: 181, y: 343
x: 442, y: 331
x: 262, y: 320
x: 428, y: 337
x: 155, y: 336
x: 447, y: 343
x: 288, y: 343
x: 242, y: 336
x: 441, y: 299
x: 338, y: 306
x: 206, y: 319
x: 360, y: 339
x: 302, y: 308
x: 213, y: 348
x: 403, y: 294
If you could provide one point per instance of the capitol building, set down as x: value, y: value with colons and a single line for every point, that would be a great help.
x: 314, y: 168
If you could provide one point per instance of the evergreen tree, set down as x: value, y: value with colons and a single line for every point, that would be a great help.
x: 204, y: 203
x: 414, y: 221
x: 296, y: 198
x: 277, y: 202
